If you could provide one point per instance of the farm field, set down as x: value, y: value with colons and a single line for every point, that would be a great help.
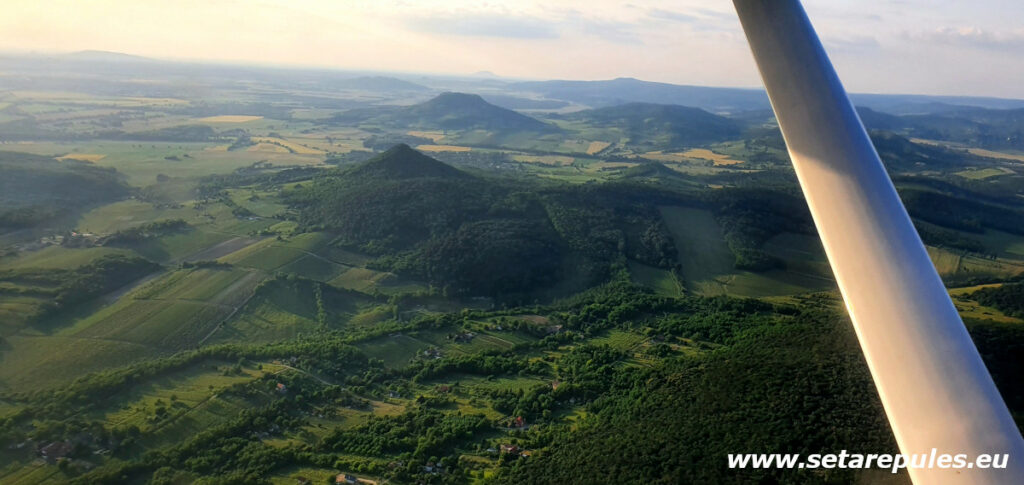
x: 984, y: 173
x: 660, y: 280
x: 367, y: 280
x: 956, y: 265
x: 442, y: 148
x: 969, y: 308
x: 1004, y: 244
x: 56, y: 257
x: 708, y: 267
x: 185, y: 394
x: 705, y: 154
x: 229, y: 119
x: 266, y: 255
x: 174, y: 312
x: 619, y: 340
x: 43, y: 362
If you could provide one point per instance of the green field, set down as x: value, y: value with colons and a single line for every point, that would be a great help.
x: 983, y: 173
x: 181, y: 393
x: 171, y: 301
x: 368, y: 280
x: 660, y: 280
x: 957, y: 265
x: 143, y: 161
x: 129, y: 213
x: 41, y: 362
x: 708, y: 267
x: 619, y: 340
x: 187, y: 245
x: 268, y: 255
x: 315, y: 267
x: 395, y: 350
x: 283, y: 310
x: 56, y: 257
x: 261, y: 203
x: 1005, y: 245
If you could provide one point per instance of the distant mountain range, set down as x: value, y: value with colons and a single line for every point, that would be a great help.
x: 378, y: 84
x: 661, y: 126
x: 628, y: 90
x: 971, y: 126
x: 717, y: 99
x: 107, y: 56
x: 650, y: 126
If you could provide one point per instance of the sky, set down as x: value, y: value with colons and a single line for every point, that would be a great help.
x: 947, y: 47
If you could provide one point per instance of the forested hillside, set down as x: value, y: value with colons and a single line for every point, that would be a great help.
x: 34, y: 189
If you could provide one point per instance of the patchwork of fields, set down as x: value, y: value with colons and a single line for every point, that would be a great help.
x: 207, y: 320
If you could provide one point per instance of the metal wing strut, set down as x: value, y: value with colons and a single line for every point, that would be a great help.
x: 931, y: 380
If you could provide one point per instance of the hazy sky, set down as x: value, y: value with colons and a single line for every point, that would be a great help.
x: 895, y: 46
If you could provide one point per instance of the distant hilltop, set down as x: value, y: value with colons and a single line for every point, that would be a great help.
x: 97, y: 55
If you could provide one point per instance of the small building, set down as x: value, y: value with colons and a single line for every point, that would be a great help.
x: 509, y: 449
x: 282, y: 388
x: 519, y: 422
x: 346, y: 478
x: 433, y: 352
x: 56, y: 450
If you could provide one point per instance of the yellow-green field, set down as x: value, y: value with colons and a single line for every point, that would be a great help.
x: 437, y: 136
x: 661, y: 156
x: 705, y: 154
x: 57, y: 257
x: 229, y: 119
x: 597, y: 146
x: 556, y: 160
x: 983, y: 173
x: 442, y: 148
x: 289, y: 146
x: 141, y: 162
x: 1017, y: 157
x: 971, y: 309
x: 953, y: 264
x: 182, y: 393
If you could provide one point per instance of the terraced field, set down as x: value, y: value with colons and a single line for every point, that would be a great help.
x: 185, y: 394
x: 174, y: 312
x: 57, y: 257
x: 42, y: 361
x: 266, y: 255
